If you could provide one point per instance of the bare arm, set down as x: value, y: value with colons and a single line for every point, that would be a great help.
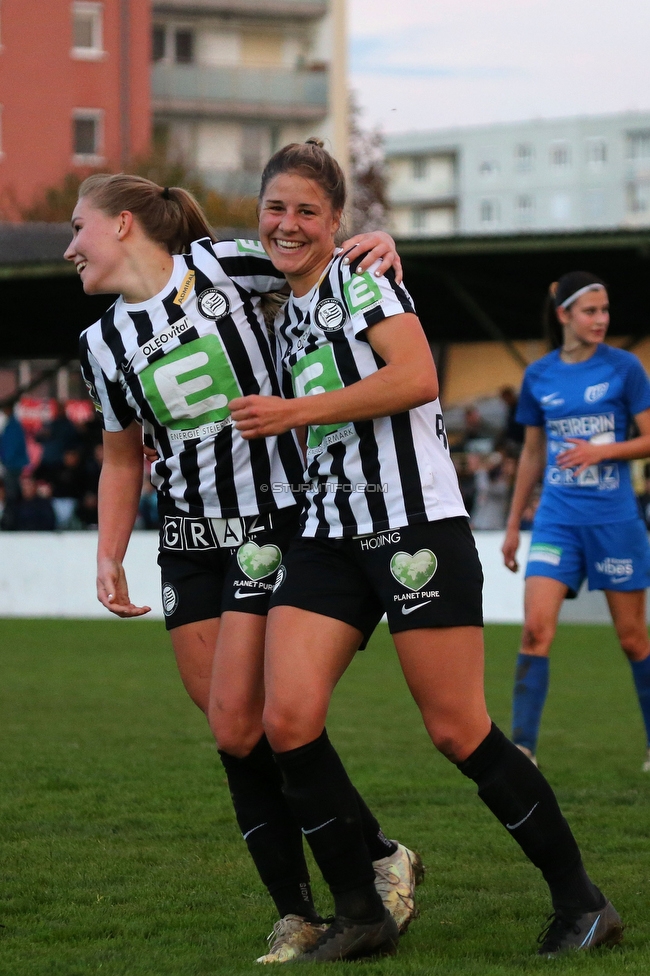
x: 529, y: 471
x: 120, y: 485
x: 583, y: 453
x: 407, y: 380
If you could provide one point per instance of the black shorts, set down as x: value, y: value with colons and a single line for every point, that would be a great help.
x: 426, y: 575
x: 212, y: 565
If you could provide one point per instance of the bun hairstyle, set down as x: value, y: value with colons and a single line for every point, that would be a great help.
x: 169, y: 215
x: 311, y: 160
x: 562, y: 294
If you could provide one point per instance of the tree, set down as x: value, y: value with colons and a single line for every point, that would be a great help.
x: 369, y: 209
x: 55, y: 204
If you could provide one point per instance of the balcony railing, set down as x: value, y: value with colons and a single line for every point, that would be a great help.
x: 251, y: 92
x: 302, y: 9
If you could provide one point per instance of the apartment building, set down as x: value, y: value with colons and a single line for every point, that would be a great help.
x: 543, y: 176
x: 232, y: 80
x: 74, y: 91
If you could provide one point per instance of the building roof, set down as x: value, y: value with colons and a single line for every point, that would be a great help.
x: 33, y: 245
x: 448, y: 139
x: 36, y: 249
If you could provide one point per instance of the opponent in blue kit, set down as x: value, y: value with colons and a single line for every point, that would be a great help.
x: 577, y: 404
x: 384, y: 530
x: 187, y: 334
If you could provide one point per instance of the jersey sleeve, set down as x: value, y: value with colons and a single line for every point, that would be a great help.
x: 369, y: 299
x: 637, y: 387
x: 247, y: 263
x: 111, y: 404
x: 529, y: 411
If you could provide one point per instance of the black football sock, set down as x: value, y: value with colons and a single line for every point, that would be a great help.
x: 376, y: 841
x: 324, y: 803
x: 515, y: 791
x: 270, y: 830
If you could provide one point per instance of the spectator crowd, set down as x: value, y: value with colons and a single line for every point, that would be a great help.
x: 49, y: 472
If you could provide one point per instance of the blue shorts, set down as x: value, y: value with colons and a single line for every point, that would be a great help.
x: 615, y: 556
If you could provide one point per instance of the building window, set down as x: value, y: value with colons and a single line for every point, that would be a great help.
x: 560, y: 154
x: 595, y: 200
x: 489, y: 212
x: 87, y: 136
x: 158, y: 42
x: 638, y: 144
x: 524, y: 208
x: 488, y: 167
x: 638, y: 198
x: 524, y: 155
x: 419, y: 168
x: 184, y: 47
x: 87, y: 32
x: 596, y: 152
x: 418, y: 221
x: 561, y: 208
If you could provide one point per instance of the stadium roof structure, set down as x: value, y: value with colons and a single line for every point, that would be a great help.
x: 466, y: 289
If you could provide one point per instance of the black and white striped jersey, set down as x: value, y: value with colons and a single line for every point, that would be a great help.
x: 175, y: 361
x: 371, y: 475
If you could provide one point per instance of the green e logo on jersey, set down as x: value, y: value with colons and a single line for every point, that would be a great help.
x: 317, y: 373
x: 192, y: 385
x: 250, y: 247
x: 361, y: 291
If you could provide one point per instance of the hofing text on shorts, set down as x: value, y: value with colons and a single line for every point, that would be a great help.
x: 328, y: 486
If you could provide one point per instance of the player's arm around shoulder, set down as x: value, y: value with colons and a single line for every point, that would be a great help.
x: 529, y: 471
x: 120, y: 485
x: 406, y: 380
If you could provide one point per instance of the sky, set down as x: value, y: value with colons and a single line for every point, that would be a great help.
x: 430, y: 64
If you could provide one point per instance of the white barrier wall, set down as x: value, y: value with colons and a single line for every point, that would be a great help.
x: 46, y: 574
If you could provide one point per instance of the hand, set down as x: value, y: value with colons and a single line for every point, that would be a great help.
x: 261, y: 416
x: 378, y: 244
x: 113, y: 591
x: 509, y: 549
x: 581, y: 456
x: 150, y: 453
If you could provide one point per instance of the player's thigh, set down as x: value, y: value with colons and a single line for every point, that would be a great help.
x: 444, y: 669
x: 236, y: 698
x: 194, y: 646
x: 306, y: 654
x: 192, y: 584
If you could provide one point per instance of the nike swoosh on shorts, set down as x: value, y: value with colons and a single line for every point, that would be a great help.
x: 417, y: 606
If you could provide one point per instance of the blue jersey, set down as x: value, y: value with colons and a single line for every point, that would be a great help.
x: 594, y: 400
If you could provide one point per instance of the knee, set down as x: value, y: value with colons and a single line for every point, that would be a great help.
x: 536, y: 637
x: 288, y: 729
x: 236, y: 733
x: 636, y: 647
x: 458, y: 740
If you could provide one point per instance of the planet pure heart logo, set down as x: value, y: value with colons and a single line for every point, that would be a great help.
x: 258, y: 561
x: 415, y: 571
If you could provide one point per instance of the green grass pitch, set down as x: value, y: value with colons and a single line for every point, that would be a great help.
x: 119, y: 855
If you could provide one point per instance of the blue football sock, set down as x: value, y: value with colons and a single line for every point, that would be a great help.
x: 531, y: 687
x: 641, y: 675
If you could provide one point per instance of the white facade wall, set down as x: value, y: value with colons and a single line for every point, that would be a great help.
x: 48, y: 574
x: 230, y: 148
x: 544, y: 175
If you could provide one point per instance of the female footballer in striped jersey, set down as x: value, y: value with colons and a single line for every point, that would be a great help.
x: 384, y: 530
x: 185, y: 336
